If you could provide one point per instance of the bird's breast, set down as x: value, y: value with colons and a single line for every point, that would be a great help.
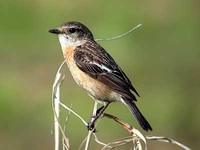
x: 94, y: 87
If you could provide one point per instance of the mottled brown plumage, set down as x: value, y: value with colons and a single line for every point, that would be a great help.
x: 89, y: 54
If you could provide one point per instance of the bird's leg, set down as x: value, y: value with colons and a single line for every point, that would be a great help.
x: 99, y: 112
x: 100, y: 109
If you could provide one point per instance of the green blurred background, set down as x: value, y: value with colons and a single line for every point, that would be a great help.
x: 161, y: 59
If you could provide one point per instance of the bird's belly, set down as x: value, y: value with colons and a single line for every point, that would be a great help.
x: 94, y: 88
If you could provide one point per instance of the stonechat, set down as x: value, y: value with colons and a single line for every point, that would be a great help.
x: 94, y: 70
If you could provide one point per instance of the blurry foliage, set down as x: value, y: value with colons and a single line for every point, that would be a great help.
x: 161, y: 58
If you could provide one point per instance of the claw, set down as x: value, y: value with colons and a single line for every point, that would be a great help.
x: 91, y: 127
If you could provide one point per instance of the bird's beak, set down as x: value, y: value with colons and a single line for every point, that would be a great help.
x: 55, y: 31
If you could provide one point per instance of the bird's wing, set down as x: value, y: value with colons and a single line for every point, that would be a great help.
x: 97, y: 63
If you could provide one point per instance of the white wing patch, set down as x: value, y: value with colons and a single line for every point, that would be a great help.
x: 103, y: 67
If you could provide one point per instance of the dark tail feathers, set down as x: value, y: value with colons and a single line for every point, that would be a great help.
x: 138, y: 115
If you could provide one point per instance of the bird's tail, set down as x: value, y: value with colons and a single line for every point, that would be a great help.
x: 137, y: 114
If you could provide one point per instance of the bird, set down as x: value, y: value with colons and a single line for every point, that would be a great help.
x: 94, y: 70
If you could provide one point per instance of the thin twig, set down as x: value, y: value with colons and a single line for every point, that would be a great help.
x: 136, y: 135
x: 119, y: 36
x: 91, y: 131
x: 167, y: 140
x: 73, y: 112
x: 99, y: 142
x: 64, y: 128
x: 55, y: 105
x: 118, y: 143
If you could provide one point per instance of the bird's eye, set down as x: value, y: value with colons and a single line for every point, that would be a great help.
x: 72, y: 30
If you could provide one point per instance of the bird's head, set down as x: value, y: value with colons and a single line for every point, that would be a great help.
x: 72, y: 34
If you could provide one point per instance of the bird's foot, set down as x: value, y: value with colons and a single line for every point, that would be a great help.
x: 91, y: 126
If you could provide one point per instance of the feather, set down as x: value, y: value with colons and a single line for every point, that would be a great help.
x: 97, y: 63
